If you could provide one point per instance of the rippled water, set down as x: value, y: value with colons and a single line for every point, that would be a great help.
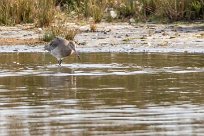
x: 103, y: 94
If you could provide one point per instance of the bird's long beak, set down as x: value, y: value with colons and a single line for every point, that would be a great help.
x: 77, y: 54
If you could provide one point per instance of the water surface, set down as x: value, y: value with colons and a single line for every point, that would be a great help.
x: 103, y: 94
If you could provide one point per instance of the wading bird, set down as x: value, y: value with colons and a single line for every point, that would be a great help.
x: 61, y: 48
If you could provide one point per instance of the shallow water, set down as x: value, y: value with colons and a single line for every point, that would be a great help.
x: 103, y: 94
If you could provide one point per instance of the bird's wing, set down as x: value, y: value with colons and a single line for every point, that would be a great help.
x: 56, y: 42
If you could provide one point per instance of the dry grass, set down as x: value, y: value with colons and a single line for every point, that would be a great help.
x: 95, y: 9
x: 97, y: 13
x: 43, y: 12
x: 93, y: 27
x: 142, y: 10
x: 174, y: 10
x: 14, y: 12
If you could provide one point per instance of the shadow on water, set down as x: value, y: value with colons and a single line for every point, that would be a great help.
x: 103, y: 94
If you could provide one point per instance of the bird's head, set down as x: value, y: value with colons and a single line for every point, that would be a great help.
x: 46, y: 47
x: 72, y: 45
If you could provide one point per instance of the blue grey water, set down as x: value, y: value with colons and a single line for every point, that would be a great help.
x: 102, y: 94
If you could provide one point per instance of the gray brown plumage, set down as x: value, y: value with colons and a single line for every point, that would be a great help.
x: 61, y: 48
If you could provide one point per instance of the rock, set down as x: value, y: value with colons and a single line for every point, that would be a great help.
x: 164, y: 34
x: 113, y: 14
x: 40, y: 29
x: 82, y: 43
x: 127, y: 35
x: 172, y: 37
x: 131, y: 20
x: 165, y: 43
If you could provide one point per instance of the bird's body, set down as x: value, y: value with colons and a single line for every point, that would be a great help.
x: 61, y: 48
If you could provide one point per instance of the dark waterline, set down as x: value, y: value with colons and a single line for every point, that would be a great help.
x: 103, y: 94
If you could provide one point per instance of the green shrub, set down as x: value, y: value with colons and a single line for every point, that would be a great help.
x: 59, y: 31
x: 48, y: 36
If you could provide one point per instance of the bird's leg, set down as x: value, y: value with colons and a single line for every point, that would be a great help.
x: 60, y: 62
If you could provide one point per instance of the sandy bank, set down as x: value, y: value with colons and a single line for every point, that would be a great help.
x: 113, y: 37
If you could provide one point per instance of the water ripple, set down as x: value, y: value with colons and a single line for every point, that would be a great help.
x: 95, y: 70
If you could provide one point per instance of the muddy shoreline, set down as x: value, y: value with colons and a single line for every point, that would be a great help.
x: 113, y: 37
